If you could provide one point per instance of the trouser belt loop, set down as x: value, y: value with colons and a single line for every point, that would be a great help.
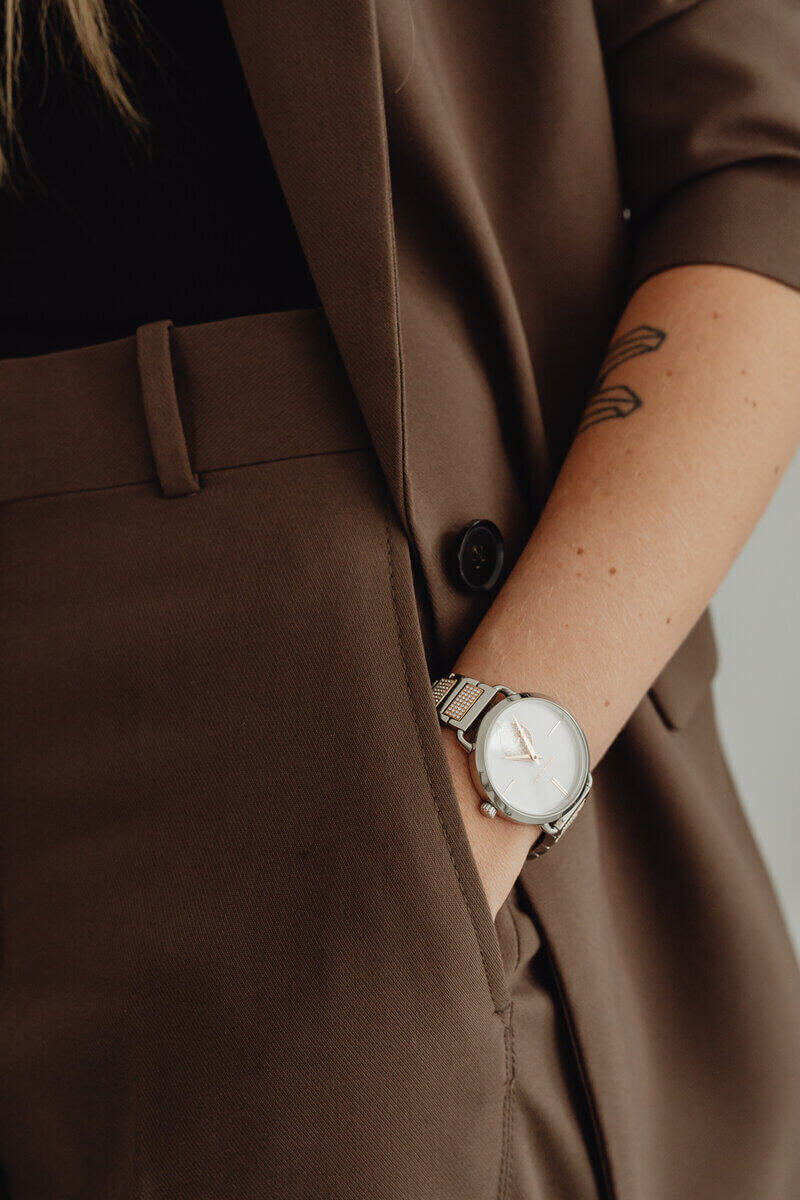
x: 164, y: 424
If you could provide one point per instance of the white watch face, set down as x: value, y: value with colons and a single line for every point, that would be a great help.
x: 534, y: 755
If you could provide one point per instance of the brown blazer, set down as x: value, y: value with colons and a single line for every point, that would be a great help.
x: 477, y: 187
x: 222, y: 975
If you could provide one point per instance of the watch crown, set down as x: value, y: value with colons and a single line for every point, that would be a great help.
x: 488, y: 809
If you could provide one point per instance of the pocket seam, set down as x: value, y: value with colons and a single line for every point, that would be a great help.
x: 498, y: 1008
x: 509, y: 1107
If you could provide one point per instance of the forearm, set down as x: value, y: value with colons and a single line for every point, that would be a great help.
x: 647, y: 514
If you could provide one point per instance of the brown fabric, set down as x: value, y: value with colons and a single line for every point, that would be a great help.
x: 160, y: 403
x: 82, y: 413
x: 247, y: 951
x: 242, y: 961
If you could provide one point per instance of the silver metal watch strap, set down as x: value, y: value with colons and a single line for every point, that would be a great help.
x: 460, y: 701
x: 552, y: 830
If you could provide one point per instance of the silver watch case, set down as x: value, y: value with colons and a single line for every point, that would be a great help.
x: 552, y: 826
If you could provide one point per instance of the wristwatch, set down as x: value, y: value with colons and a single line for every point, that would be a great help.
x: 528, y: 756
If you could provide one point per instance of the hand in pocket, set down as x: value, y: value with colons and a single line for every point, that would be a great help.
x: 499, y: 845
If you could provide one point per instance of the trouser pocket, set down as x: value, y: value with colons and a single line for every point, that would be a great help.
x: 247, y: 945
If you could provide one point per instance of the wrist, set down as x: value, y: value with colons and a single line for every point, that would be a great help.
x: 517, y: 759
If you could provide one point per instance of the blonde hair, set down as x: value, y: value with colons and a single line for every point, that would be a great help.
x: 88, y: 22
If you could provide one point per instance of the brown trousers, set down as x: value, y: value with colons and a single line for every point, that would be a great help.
x: 247, y: 951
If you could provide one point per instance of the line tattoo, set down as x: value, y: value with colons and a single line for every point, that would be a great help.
x: 619, y: 400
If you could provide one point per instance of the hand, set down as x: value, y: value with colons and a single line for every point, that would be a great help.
x: 500, y: 846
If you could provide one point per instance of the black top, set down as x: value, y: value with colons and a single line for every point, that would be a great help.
x: 101, y: 233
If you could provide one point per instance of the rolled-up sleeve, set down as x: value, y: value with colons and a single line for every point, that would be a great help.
x: 706, y: 104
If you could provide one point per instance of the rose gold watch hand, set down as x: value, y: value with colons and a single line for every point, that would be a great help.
x: 527, y: 741
x: 544, y: 768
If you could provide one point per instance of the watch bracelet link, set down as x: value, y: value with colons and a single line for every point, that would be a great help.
x: 460, y: 702
x: 461, y: 708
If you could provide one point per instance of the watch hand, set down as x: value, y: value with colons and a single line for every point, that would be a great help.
x: 544, y: 768
x: 527, y: 741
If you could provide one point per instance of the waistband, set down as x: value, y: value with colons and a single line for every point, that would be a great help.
x: 171, y: 402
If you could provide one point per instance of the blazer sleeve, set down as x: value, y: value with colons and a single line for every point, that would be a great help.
x: 706, y: 106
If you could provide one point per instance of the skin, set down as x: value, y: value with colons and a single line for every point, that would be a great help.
x: 682, y: 445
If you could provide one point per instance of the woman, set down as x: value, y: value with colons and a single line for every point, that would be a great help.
x: 282, y: 452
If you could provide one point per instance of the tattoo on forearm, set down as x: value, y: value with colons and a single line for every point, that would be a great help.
x: 619, y: 400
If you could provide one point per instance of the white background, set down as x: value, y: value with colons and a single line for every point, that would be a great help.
x: 756, y: 615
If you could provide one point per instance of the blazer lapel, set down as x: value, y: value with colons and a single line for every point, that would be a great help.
x: 314, y: 74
